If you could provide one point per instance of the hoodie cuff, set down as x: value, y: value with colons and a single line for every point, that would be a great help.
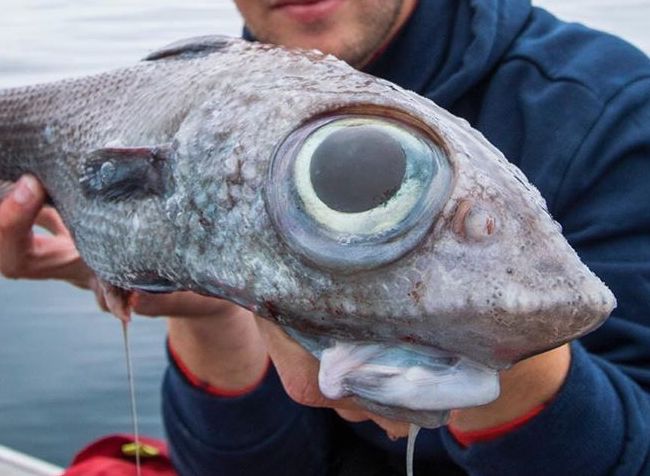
x: 581, y: 431
x: 196, y: 382
x: 467, y: 438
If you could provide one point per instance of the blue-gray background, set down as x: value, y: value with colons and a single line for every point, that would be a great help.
x: 62, y: 371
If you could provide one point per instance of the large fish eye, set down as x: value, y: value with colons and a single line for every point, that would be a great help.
x: 355, y: 192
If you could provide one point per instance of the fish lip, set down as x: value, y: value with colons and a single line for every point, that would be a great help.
x: 404, y: 382
x: 315, y: 344
x: 430, y: 419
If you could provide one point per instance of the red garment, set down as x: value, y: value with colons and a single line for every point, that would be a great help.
x: 467, y: 438
x: 105, y: 457
x: 206, y: 386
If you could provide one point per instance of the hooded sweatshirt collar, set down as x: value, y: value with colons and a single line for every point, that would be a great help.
x: 448, y: 46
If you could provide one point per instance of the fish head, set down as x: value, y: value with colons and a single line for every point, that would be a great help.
x: 349, y: 210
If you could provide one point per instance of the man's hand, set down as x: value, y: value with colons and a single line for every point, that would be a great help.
x: 525, y: 386
x: 24, y: 254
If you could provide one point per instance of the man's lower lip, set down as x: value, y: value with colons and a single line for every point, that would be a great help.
x: 309, y: 12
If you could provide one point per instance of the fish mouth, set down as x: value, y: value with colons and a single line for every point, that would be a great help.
x: 403, y: 382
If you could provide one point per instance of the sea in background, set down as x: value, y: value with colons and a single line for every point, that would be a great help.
x: 62, y: 370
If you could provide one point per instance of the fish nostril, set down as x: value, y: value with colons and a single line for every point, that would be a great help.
x: 479, y: 224
x: 490, y: 225
x: 473, y: 222
x: 458, y: 221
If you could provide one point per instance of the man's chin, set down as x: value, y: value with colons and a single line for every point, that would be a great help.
x: 327, y: 40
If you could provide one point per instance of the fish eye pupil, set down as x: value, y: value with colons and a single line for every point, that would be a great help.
x: 357, y: 168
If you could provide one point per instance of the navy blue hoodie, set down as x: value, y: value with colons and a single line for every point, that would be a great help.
x: 571, y: 108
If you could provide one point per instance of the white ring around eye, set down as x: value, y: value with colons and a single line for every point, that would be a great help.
x: 370, y: 222
x: 306, y: 225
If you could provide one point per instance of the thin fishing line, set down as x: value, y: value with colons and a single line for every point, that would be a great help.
x: 410, y: 448
x: 134, y: 409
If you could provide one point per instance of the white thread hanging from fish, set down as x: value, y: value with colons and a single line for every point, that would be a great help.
x: 134, y: 409
x: 410, y: 448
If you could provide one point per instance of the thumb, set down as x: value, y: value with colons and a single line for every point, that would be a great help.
x: 18, y: 211
x: 17, y: 215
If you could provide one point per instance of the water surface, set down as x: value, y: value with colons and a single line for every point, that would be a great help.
x: 62, y: 377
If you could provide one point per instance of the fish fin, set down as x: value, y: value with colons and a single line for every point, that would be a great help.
x: 120, y: 173
x: 190, y: 48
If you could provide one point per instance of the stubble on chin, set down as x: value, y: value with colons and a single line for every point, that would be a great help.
x: 353, y: 39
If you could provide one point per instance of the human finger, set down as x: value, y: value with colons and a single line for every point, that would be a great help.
x: 50, y: 219
x: 17, y: 215
x: 93, y: 284
x: 5, y: 189
x: 56, y: 257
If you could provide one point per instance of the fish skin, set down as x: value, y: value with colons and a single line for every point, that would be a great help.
x: 496, y: 293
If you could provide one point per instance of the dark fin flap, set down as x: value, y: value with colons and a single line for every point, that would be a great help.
x: 190, y: 48
x: 120, y: 173
x: 153, y: 283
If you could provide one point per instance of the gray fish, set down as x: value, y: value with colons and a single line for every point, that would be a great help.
x: 383, y: 233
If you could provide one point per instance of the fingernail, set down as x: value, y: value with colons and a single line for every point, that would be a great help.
x: 26, y: 190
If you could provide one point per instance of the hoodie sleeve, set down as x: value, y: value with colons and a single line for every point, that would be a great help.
x: 260, y: 433
x: 599, y: 423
